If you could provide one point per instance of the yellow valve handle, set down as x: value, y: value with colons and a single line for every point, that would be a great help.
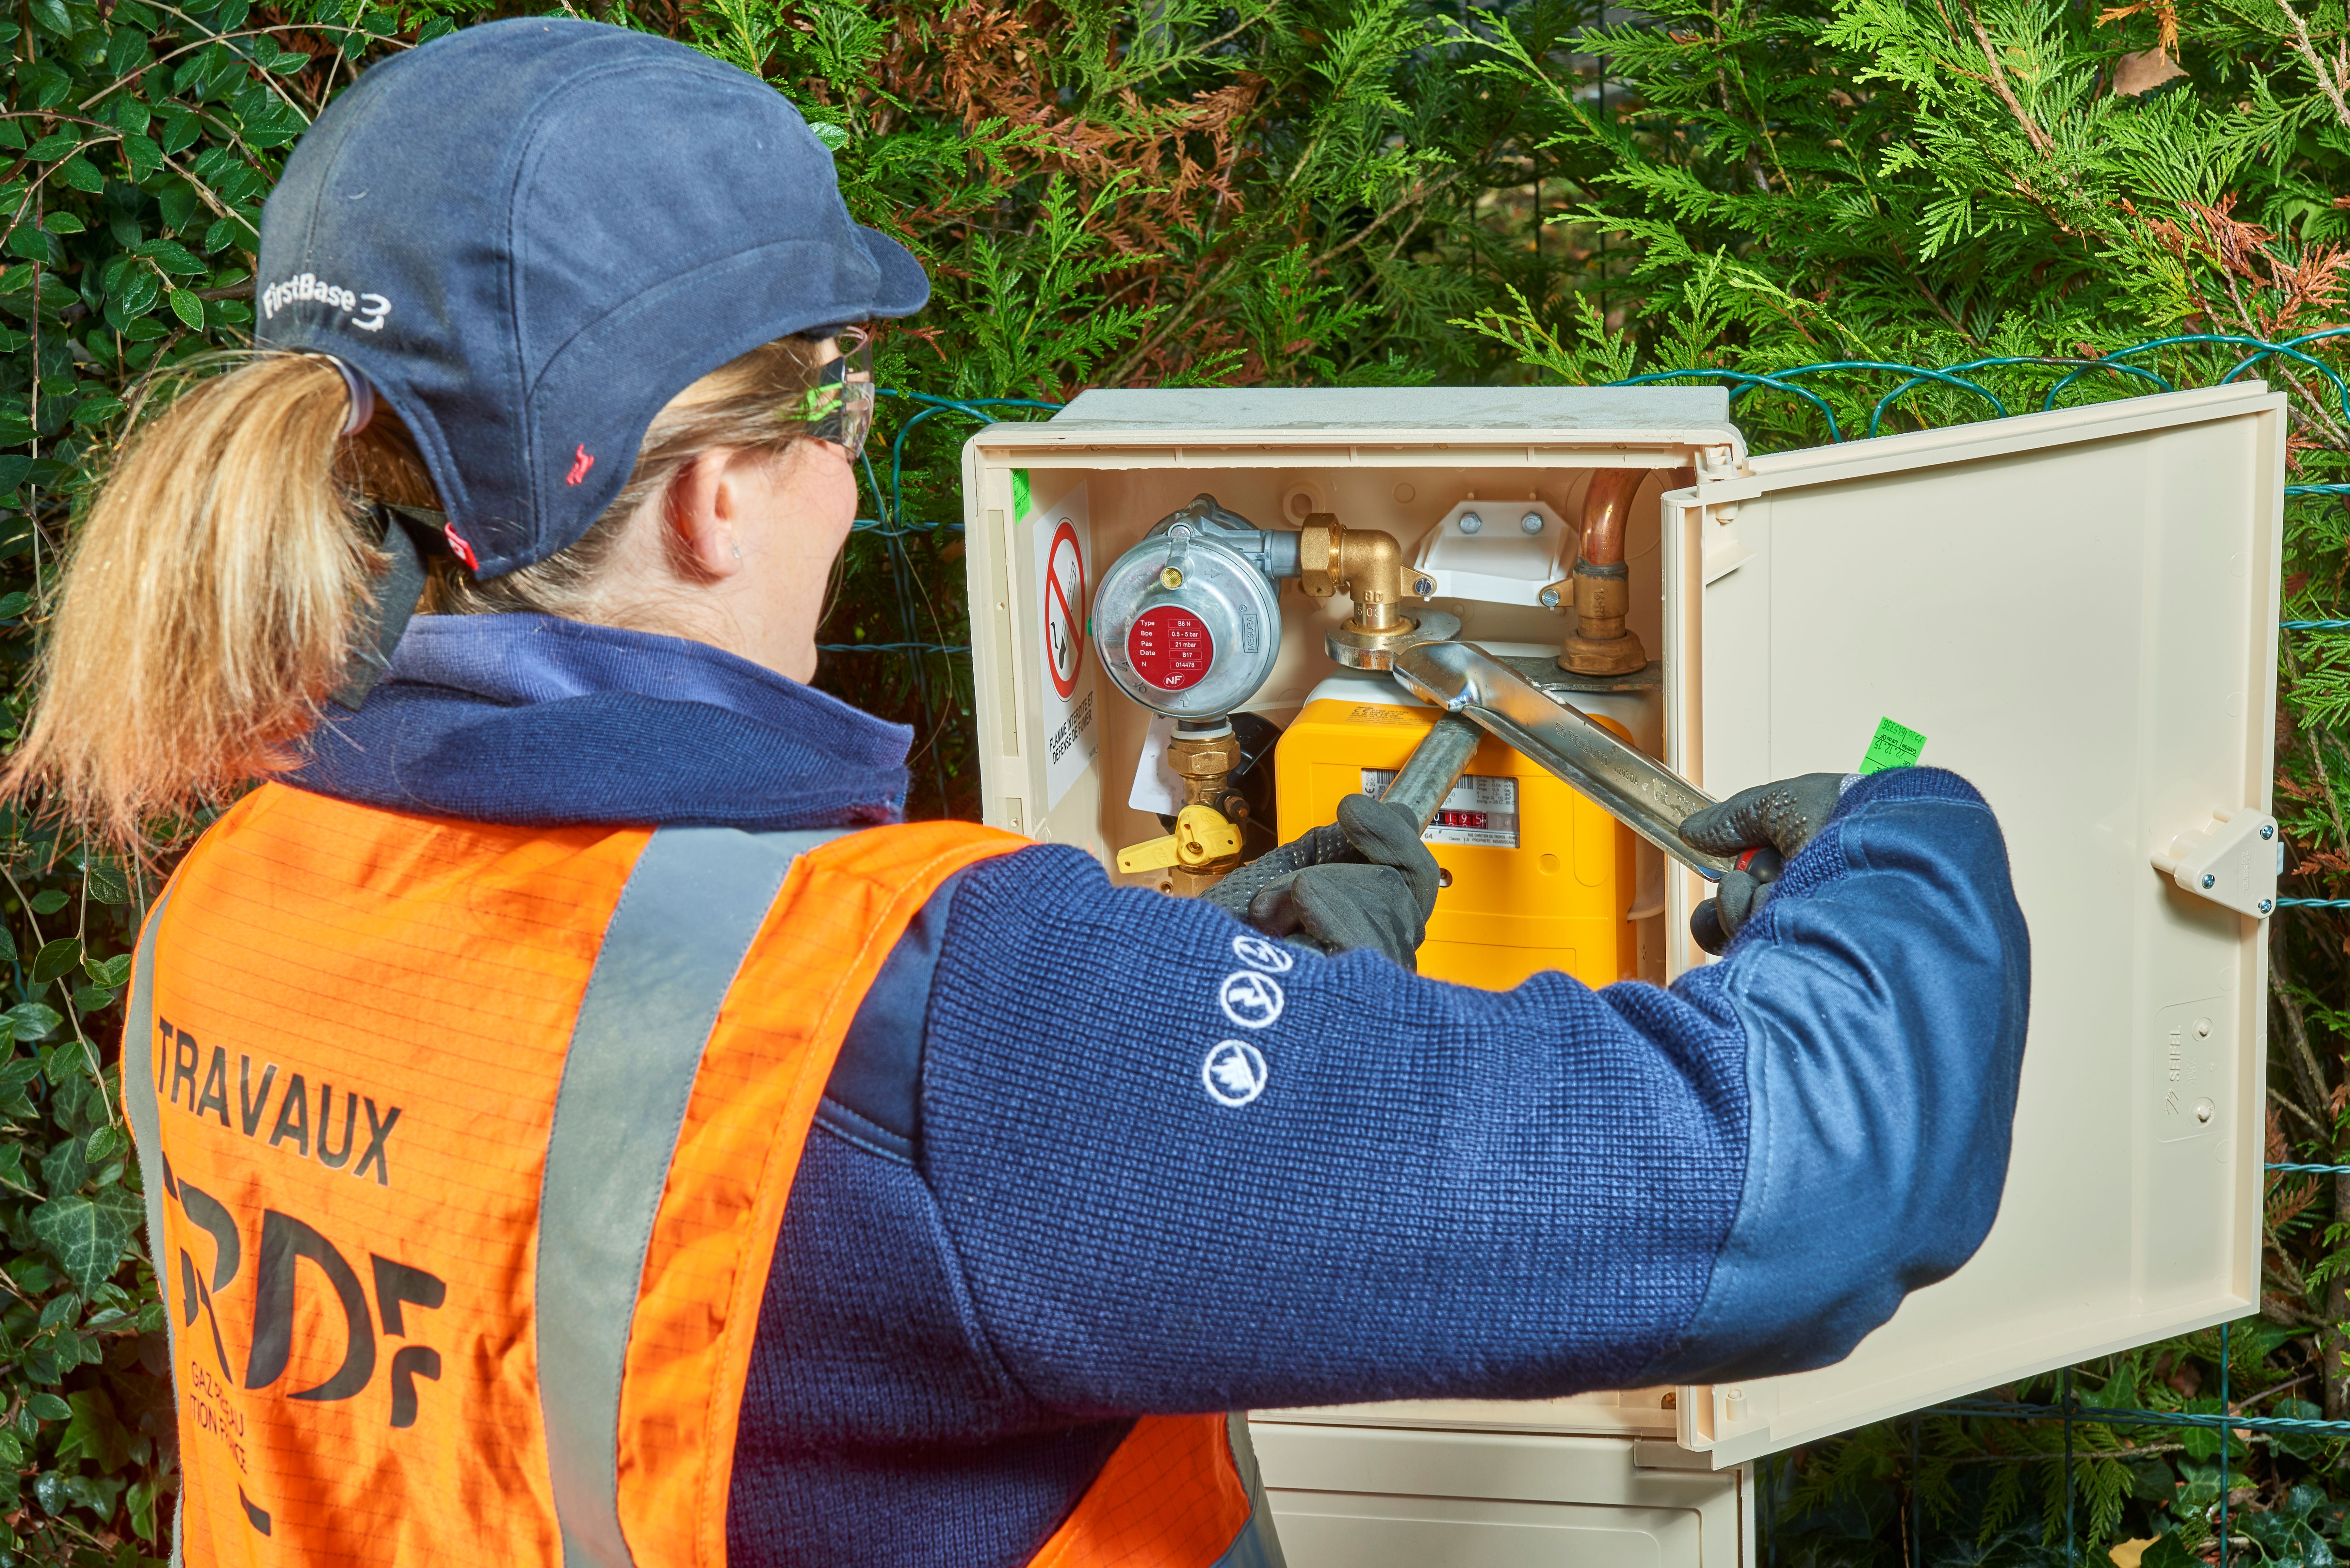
x: 1150, y: 855
x: 1201, y: 835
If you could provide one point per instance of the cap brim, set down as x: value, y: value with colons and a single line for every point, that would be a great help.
x: 904, y: 287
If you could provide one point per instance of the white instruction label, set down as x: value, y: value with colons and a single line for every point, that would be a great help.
x: 1478, y: 810
x: 1156, y: 786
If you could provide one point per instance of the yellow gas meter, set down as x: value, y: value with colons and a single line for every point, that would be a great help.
x: 1536, y: 876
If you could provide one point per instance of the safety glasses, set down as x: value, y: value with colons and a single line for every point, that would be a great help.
x: 840, y: 406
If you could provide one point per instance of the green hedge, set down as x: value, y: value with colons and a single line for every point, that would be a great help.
x: 1329, y: 191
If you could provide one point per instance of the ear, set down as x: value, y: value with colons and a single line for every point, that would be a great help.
x: 705, y: 510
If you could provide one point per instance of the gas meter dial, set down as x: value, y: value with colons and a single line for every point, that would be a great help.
x: 1188, y: 622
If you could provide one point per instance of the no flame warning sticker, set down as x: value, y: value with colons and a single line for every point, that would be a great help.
x: 1057, y: 545
x: 1064, y: 610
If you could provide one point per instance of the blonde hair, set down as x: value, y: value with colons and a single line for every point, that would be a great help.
x: 227, y: 568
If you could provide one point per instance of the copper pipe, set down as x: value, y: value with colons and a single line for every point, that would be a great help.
x: 1605, y: 506
x: 1600, y: 644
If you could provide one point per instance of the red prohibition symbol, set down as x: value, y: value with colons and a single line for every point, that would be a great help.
x: 1065, y: 609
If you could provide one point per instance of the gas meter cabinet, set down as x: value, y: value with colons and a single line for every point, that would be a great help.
x: 2077, y: 609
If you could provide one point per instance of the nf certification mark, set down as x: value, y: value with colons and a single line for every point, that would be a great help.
x: 1065, y: 609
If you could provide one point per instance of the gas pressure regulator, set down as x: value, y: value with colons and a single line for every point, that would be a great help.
x: 1188, y: 623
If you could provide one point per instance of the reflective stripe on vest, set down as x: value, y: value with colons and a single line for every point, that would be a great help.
x: 510, y: 1319
x: 693, y: 902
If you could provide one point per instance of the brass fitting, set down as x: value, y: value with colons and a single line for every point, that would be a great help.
x: 1204, y: 765
x: 1365, y: 563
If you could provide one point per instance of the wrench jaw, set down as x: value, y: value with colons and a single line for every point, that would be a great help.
x: 1636, y: 790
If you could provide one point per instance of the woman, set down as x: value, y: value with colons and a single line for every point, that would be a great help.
x: 581, y: 1123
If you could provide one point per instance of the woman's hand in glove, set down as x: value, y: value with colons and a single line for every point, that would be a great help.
x: 1766, y: 826
x: 1340, y: 906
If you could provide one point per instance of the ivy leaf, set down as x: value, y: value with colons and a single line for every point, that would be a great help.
x: 141, y: 155
x: 34, y: 244
x: 77, y: 172
x: 87, y: 1235
x: 15, y: 1076
x: 181, y: 130
x: 171, y: 256
x: 178, y: 201
x: 189, y: 309
x: 64, y: 1168
x: 94, y: 1432
x: 47, y: 85
x: 138, y: 291
x: 33, y: 1021
x: 56, y: 958
x: 97, y: 410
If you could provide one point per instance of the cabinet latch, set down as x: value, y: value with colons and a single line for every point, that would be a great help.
x: 2232, y: 860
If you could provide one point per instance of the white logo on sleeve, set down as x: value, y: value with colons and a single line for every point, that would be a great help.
x: 1234, y: 1073
x: 1264, y: 952
x: 1250, y: 1000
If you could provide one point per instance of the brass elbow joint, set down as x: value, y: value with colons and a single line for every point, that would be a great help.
x: 1365, y: 563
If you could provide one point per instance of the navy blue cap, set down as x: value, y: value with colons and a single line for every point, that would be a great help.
x: 530, y: 236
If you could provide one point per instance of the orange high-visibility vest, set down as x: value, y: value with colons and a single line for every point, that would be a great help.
x: 466, y: 1147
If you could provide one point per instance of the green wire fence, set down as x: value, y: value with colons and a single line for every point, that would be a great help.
x: 891, y: 526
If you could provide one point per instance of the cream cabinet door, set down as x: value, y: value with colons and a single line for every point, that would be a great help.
x: 2078, y: 610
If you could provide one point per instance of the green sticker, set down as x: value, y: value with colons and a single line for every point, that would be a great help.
x: 1019, y: 495
x: 1894, y: 746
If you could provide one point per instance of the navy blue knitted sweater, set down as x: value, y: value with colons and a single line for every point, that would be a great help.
x: 1025, y: 1219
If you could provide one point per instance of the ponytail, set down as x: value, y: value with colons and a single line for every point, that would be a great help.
x: 225, y: 571
x: 213, y: 598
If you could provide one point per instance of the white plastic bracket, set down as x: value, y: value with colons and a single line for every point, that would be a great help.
x: 2230, y: 860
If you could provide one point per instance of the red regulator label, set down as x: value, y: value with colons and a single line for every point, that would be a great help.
x: 1170, y: 647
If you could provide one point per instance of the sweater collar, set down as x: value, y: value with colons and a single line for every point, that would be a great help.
x: 532, y: 719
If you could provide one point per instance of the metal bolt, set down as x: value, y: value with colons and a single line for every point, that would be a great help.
x: 2268, y: 830
x: 1531, y: 523
x: 2210, y: 881
x: 1550, y: 598
x: 1423, y: 586
x: 2265, y: 906
x: 1170, y: 577
x: 1471, y: 522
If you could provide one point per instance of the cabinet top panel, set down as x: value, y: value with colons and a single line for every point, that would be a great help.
x: 1485, y: 408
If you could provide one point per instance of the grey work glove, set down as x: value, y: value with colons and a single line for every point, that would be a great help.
x: 1765, y: 826
x: 1383, y: 904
